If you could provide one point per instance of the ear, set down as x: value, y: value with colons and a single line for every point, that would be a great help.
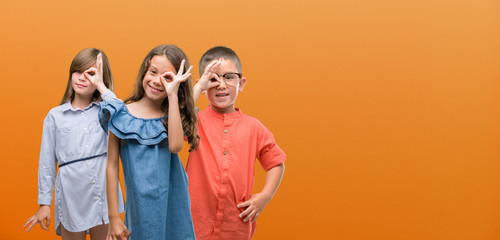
x: 243, y: 81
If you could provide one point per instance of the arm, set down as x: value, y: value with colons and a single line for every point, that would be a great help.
x: 46, y: 175
x: 258, y: 201
x: 175, y: 130
x: 116, y: 226
x: 205, y: 82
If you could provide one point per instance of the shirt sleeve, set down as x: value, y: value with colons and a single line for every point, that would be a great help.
x: 270, y: 154
x: 108, y: 95
x: 47, y: 162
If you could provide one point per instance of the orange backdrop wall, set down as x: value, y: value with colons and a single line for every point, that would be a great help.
x: 388, y: 110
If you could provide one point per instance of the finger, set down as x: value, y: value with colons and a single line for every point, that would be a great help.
x: 42, y: 224
x: 250, y: 216
x: 90, y: 73
x: 213, y: 84
x: 212, y: 66
x: 91, y: 70
x: 245, y: 204
x: 181, y: 68
x: 215, y: 66
x: 256, y: 216
x: 189, y: 70
x: 31, y: 225
x: 246, y: 212
x: 99, y: 62
x: 48, y: 221
x: 168, y: 76
x: 28, y: 221
x: 185, y: 77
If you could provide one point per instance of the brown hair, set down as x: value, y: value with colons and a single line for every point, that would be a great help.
x: 186, y: 105
x: 83, y: 61
x: 216, y: 53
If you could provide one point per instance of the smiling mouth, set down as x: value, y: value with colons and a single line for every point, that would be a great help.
x: 155, y: 90
x: 222, y: 95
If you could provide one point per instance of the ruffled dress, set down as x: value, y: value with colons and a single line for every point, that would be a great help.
x: 157, y: 204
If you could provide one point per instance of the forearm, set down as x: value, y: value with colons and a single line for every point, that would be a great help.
x: 273, y: 180
x: 112, y: 176
x: 175, y: 131
x: 101, y: 87
x: 196, y: 93
x: 47, y: 164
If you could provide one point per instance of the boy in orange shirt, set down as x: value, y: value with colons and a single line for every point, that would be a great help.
x: 221, y: 169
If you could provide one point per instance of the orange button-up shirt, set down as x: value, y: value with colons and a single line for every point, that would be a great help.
x: 221, y: 172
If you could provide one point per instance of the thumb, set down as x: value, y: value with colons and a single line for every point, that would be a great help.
x: 127, y: 233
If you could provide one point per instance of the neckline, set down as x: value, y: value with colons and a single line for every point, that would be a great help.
x: 139, y: 118
x: 236, y: 114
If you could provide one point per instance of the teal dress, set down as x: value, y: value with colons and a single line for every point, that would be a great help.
x: 157, y: 204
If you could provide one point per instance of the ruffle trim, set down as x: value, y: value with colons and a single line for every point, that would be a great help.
x: 114, y: 115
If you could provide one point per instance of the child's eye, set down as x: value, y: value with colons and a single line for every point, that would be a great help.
x: 91, y: 73
x: 152, y: 71
x: 213, y: 80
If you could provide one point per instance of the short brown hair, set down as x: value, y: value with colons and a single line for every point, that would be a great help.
x: 216, y: 53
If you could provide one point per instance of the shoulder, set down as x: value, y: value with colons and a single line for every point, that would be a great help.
x: 251, y: 121
x: 56, y: 112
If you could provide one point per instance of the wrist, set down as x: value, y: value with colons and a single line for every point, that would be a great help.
x: 114, y: 218
x: 101, y: 87
x: 266, y: 196
x: 197, y: 87
x: 172, y: 97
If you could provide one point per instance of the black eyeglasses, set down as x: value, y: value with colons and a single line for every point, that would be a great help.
x: 230, y: 78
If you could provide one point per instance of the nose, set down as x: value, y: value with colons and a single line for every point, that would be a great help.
x: 157, y: 80
x: 222, y: 84
x: 81, y: 77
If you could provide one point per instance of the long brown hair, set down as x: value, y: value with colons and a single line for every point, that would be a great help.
x: 83, y: 61
x: 186, y: 105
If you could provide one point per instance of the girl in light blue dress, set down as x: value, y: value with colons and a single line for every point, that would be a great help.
x: 147, y: 134
x: 73, y: 139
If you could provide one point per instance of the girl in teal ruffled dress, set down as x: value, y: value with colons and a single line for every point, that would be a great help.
x: 147, y: 133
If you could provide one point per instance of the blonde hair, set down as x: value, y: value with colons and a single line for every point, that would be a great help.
x: 83, y: 61
x: 186, y: 104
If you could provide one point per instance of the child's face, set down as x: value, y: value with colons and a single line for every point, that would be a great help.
x: 81, y: 85
x: 153, y: 88
x: 222, y: 97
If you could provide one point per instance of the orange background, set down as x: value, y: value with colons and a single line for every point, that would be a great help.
x: 388, y: 110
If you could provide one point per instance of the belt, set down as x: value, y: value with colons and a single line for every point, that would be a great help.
x: 82, y: 159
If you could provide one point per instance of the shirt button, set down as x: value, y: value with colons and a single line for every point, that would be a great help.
x: 84, y: 129
x: 225, y: 130
x: 97, y: 198
x: 90, y: 164
x: 225, y: 152
x: 60, y: 214
x: 83, y: 113
x: 86, y: 146
x: 93, y: 181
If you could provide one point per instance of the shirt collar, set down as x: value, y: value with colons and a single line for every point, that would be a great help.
x: 67, y: 106
x: 236, y: 114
